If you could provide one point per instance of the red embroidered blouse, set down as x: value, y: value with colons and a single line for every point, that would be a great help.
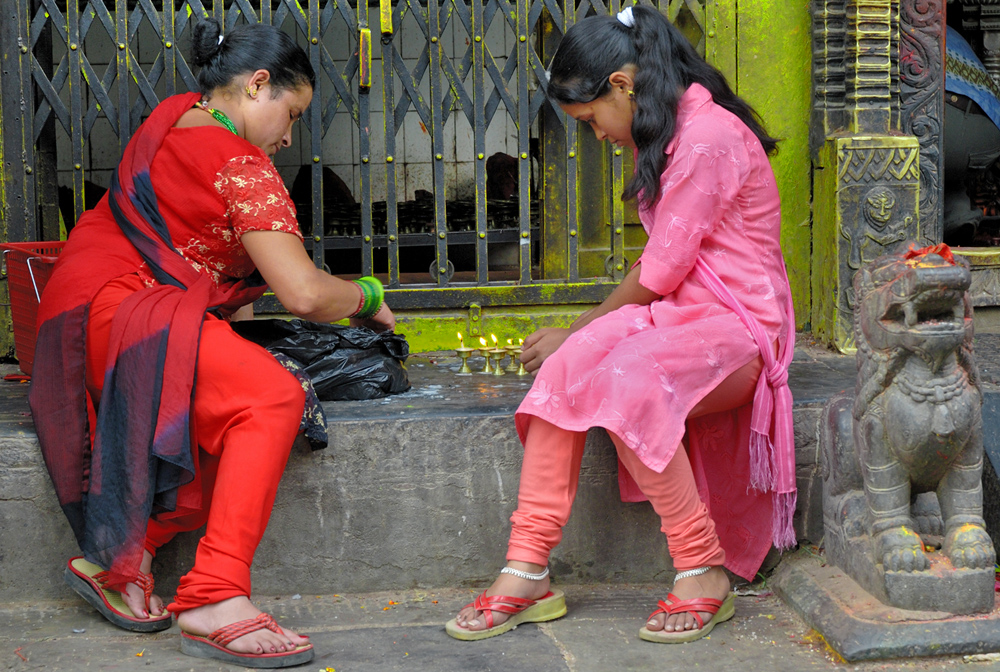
x: 212, y: 187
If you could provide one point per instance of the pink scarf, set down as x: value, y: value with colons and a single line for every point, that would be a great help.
x: 772, y: 438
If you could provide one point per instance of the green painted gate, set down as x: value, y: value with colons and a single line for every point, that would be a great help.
x: 430, y: 155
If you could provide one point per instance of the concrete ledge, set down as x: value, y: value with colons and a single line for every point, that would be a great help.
x: 415, y: 490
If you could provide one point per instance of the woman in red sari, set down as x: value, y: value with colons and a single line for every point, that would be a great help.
x: 154, y: 417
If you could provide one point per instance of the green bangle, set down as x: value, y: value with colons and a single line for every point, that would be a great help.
x: 373, y: 295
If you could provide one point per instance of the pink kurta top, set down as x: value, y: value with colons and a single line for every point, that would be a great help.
x: 638, y: 371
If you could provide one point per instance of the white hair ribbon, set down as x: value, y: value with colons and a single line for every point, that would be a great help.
x: 220, y: 36
x: 626, y: 18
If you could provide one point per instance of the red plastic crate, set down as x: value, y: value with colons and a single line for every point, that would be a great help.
x: 28, y: 267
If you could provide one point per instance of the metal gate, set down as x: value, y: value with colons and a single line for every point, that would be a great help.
x: 414, y: 99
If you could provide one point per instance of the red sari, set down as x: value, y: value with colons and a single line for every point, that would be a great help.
x: 179, y: 202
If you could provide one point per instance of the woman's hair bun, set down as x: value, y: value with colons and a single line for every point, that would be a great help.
x: 205, y: 43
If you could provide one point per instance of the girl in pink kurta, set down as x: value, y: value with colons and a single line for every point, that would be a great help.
x: 685, y: 364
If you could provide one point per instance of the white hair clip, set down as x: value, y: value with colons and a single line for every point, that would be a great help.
x: 626, y: 18
x: 220, y: 36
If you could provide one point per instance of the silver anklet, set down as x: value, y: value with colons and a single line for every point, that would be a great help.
x: 688, y: 573
x: 530, y: 577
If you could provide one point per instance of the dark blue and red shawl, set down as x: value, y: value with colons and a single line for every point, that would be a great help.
x: 143, y: 447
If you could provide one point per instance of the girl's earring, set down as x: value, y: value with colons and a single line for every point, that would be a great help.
x: 252, y: 94
x: 631, y: 94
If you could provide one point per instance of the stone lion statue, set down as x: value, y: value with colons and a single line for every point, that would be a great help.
x: 914, y: 427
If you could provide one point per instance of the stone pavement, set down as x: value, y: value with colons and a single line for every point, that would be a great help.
x: 415, y: 491
x: 403, y: 632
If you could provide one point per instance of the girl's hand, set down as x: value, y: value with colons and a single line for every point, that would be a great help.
x: 383, y: 320
x: 538, y: 346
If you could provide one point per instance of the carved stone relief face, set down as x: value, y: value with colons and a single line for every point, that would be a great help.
x: 878, y: 206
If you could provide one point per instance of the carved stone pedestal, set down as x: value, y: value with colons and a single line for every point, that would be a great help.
x: 848, y: 543
x: 940, y: 588
x: 860, y: 627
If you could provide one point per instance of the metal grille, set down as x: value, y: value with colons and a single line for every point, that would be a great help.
x: 423, y: 92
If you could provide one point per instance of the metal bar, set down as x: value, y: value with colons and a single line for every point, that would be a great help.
x: 424, y: 239
x: 479, y: 138
x: 523, y: 140
x: 40, y: 60
x: 460, y: 296
x: 15, y: 207
x: 437, y: 141
x: 385, y: 17
x: 124, y: 106
x: 617, y: 207
x: 76, y: 103
x: 169, y: 50
x: 389, y: 120
x: 364, y: 146
x: 571, y: 128
x: 316, y: 137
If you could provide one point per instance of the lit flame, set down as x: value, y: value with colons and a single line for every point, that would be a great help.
x: 510, y: 341
x: 482, y: 341
x: 461, y: 343
x: 494, y: 337
x: 520, y: 341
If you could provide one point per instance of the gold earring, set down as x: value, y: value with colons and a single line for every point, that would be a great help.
x: 252, y: 94
x: 631, y: 93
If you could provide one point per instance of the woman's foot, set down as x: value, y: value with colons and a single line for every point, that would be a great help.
x: 135, y: 599
x: 203, y: 621
x: 714, y: 583
x: 510, y: 586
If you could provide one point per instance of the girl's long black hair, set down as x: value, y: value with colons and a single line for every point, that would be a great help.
x: 246, y: 49
x: 666, y: 65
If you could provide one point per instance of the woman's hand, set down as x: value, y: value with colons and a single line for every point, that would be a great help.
x: 383, y: 320
x: 538, y: 346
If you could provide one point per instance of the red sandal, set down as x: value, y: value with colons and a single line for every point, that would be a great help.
x: 721, y: 610
x: 548, y: 607
x: 214, y: 645
x: 89, y: 581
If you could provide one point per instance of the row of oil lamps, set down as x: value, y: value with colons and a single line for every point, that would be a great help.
x: 493, y: 356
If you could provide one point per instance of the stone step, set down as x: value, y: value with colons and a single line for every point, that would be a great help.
x: 414, y: 491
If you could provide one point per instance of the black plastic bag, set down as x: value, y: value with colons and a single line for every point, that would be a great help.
x: 343, y: 362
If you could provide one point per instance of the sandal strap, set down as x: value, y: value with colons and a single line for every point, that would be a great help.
x: 661, y: 608
x: 692, y: 606
x: 502, y: 603
x: 675, y: 605
x: 144, y: 581
x: 227, y: 633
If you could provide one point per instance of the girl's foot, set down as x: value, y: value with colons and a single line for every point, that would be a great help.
x: 714, y: 583
x: 203, y: 621
x: 135, y: 599
x: 510, y: 586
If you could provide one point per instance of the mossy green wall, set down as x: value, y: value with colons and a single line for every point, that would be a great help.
x: 771, y: 66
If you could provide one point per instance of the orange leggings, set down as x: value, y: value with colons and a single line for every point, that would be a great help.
x: 550, y: 474
x: 247, y: 410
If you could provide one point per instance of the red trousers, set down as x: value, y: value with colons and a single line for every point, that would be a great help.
x: 247, y: 410
x: 550, y: 474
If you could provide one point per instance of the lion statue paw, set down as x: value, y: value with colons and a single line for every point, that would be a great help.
x: 969, y: 546
x: 901, y: 550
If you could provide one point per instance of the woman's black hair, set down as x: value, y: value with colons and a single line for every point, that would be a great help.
x: 666, y: 65
x: 246, y: 49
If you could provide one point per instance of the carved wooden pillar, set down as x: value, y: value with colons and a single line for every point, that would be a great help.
x: 866, y: 184
x: 921, y: 98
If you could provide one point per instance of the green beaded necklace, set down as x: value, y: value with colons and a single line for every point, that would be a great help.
x: 218, y: 115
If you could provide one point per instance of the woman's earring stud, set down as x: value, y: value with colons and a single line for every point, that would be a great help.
x: 252, y: 94
x: 631, y: 93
